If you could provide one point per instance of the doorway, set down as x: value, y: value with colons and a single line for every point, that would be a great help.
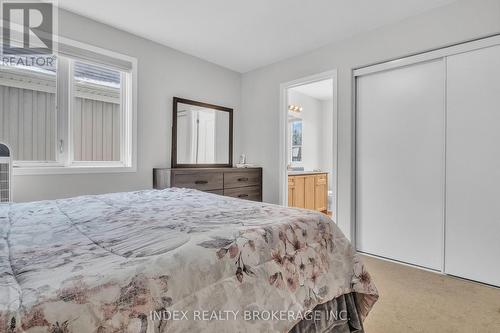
x: 308, y: 144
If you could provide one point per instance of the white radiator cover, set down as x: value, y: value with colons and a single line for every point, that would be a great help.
x: 5, y: 173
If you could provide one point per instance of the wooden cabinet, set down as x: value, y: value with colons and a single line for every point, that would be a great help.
x: 232, y: 182
x: 308, y: 191
x: 296, y: 192
x: 309, y: 202
x: 321, y: 192
x: 291, y: 191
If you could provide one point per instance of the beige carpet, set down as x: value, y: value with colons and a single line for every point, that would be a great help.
x: 414, y: 300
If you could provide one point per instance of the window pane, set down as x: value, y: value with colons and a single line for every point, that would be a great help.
x: 96, y: 113
x: 297, y: 133
x: 28, y: 110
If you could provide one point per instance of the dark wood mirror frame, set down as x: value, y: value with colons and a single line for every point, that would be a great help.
x: 178, y: 100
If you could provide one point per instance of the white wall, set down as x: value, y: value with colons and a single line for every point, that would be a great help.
x: 258, y: 121
x: 162, y: 74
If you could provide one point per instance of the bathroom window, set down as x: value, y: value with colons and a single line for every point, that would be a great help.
x: 296, y: 141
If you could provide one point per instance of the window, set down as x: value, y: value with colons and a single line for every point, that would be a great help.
x: 96, y: 113
x: 76, y: 114
x: 296, y: 141
x: 28, y: 112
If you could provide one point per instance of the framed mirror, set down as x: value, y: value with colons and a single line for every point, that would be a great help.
x: 202, y: 135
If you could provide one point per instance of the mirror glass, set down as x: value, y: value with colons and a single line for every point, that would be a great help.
x: 203, y: 135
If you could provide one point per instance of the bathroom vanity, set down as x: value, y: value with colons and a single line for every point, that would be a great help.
x: 308, y: 190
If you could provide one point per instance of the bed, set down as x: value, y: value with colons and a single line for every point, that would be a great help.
x: 176, y: 260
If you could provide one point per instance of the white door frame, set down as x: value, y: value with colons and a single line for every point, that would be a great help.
x: 283, y: 151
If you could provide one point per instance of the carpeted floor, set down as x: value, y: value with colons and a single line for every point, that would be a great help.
x: 414, y: 300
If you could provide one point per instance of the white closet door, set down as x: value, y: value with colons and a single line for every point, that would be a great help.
x: 473, y: 166
x: 400, y: 164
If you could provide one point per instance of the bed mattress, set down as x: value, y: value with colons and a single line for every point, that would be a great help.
x: 175, y: 260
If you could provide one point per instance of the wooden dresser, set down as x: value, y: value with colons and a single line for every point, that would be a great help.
x: 308, y: 191
x: 243, y: 183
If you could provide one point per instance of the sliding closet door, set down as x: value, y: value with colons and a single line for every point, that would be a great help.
x: 473, y: 166
x: 400, y: 164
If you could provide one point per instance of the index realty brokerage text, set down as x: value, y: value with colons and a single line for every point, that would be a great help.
x: 225, y: 315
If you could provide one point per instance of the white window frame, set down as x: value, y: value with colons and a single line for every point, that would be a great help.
x: 64, y: 163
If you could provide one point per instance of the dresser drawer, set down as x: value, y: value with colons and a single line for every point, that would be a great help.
x: 205, y: 181
x: 233, y: 182
x: 218, y: 192
x: 241, y: 179
x: 248, y: 193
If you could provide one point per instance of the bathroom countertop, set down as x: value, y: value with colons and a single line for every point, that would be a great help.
x: 301, y: 173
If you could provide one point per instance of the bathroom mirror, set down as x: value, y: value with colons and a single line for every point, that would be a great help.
x: 202, y: 135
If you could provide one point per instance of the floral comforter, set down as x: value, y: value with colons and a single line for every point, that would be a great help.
x: 147, y: 261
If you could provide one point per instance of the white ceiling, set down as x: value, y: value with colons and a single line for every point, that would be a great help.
x: 246, y: 34
x: 322, y: 90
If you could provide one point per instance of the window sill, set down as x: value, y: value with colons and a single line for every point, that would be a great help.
x: 64, y: 170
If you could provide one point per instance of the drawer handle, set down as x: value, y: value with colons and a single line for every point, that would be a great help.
x: 242, y: 195
x: 243, y: 179
x: 199, y: 182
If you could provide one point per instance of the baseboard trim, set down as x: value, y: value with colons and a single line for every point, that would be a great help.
x: 427, y: 269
